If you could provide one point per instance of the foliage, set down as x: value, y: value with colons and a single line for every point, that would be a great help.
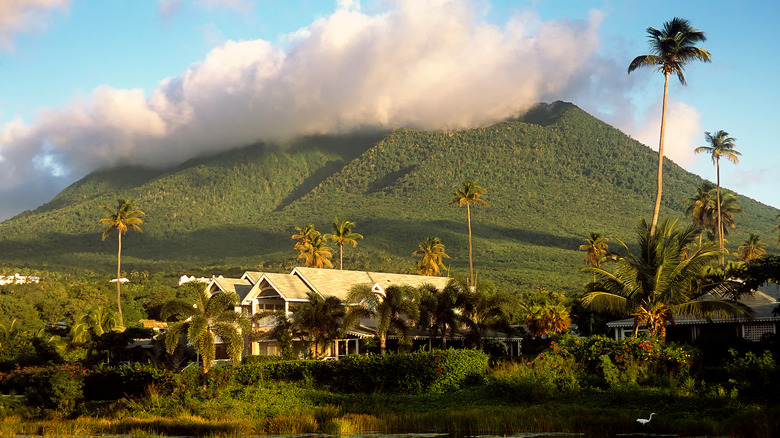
x: 342, y: 234
x: 431, y: 255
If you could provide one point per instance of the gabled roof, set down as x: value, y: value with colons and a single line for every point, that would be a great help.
x: 239, y: 286
x: 252, y: 276
x: 331, y: 282
x: 288, y: 287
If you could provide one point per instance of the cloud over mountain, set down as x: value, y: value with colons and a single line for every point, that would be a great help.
x: 428, y: 64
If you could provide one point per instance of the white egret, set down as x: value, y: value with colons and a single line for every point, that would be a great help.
x: 644, y: 421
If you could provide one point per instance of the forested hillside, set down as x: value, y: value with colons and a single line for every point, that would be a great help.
x: 552, y: 178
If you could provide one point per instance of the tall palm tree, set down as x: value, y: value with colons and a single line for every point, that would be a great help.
x: 728, y: 208
x: 342, y: 234
x: 721, y: 145
x: 439, y: 311
x: 394, y: 309
x: 470, y: 193
x: 316, y: 253
x: 657, y: 282
x: 431, y: 255
x: 125, y: 217
x: 672, y: 48
x: 701, y: 207
x: 320, y: 320
x: 202, y: 322
x: 597, y: 249
x: 752, y: 249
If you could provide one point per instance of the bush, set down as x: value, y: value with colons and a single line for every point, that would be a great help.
x: 546, y: 376
x: 127, y: 381
x: 51, y: 388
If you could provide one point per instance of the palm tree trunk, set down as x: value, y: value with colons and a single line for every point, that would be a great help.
x: 657, y: 207
x: 119, y: 283
x: 720, y: 223
x: 341, y: 257
x: 382, y: 344
x: 471, y: 263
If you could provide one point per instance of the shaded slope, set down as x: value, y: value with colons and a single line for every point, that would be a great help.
x: 549, y: 184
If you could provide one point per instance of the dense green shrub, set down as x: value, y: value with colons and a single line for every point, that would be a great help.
x: 126, y: 381
x: 750, y: 369
x: 52, y: 388
x: 544, y: 377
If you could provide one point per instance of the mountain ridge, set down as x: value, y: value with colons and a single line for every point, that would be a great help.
x: 553, y: 175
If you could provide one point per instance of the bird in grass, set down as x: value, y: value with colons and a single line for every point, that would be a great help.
x: 644, y: 421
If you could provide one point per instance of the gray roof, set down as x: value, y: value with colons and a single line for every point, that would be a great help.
x: 331, y: 282
x: 762, y: 305
x: 237, y: 285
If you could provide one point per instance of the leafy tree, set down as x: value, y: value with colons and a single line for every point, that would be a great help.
x: 316, y: 254
x: 721, y: 145
x: 661, y: 279
x: 672, y: 48
x: 320, y: 320
x: 439, y: 311
x: 124, y: 218
x: 202, y: 322
x: 394, y: 309
x: 431, y: 255
x: 752, y: 249
x: 470, y: 193
x: 342, y: 234
x: 597, y: 249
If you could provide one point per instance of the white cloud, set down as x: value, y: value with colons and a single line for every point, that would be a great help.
x: 23, y: 16
x: 430, y: 64
x: 683, y: 131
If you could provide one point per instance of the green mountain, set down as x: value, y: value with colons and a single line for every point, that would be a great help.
x: 552, y: 176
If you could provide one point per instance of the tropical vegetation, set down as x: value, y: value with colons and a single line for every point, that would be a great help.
x: 431, y: 255
x: 468, y: 195
x: 720, y: 145
x: 343, y: 235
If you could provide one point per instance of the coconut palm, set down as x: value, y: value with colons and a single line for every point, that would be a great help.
x: 721, y: 145
x: 202, y: 322
x: 543, y: 319
x: 597, y: 249
x: 394, y: 309
x: 657, y: 282
x: 99, y: 320
x: 470, y: 193
x: 303, y: 236
x: 319, y: 320
x: 439, y: 311
x: 316, y: 253
x: 482, y: 308
x: 728, y: 208
x: 431, y: 255
x: 752, y: 249
x: 701, y: 207
x: 672, y: 48
x: 124, y: 218
x: 342, y: 234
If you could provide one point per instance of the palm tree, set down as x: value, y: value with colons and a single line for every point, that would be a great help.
x: 470, y: 193
x: 752, y: 249
x: 275, y: 325
x: 393, y: 309
x: 439, y: 311
x: 777, y: 228
x: 202, y: 322
x: 721, y: 145
x: 320, y: 320
x: 316, y: 254
x: 597, y: 249
x: 672, y: 48
x: 481, y: 309
x: 99, y: 320
x: 701, y: 207
x: 431, y: 255
x: 542, y: 319
x: 657, y: 282
x: 303, y: 236
x: 124, y: 218
x: 342, y: 234
x: 728, y: 208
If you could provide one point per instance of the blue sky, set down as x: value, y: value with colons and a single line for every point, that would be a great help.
x: 89, y: 84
